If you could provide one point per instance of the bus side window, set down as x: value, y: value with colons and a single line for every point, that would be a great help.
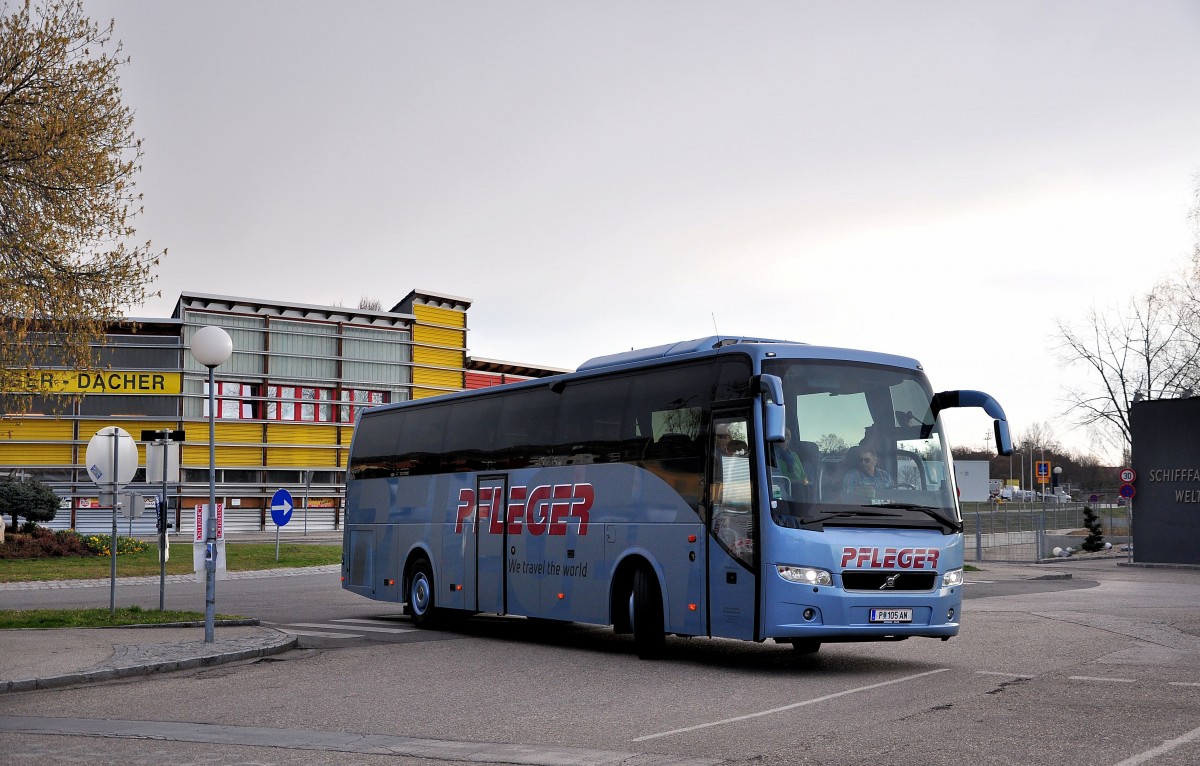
x: 471, y: 435
x: 421, y: 442
x: 671, y: 405
x: 525, y: 434
x: 375, y: 446
x: 591, y: 422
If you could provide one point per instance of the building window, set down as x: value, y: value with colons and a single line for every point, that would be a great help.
x: 300, y: 403
x: 362, y: 398
x: 235, y: 401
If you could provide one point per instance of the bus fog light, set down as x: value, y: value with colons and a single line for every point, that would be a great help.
x: 805, y: 575
x: 809, y: 614
x: 950, y: 615
x: 952, y: 578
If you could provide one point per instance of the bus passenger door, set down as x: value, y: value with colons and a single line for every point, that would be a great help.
x: 489, y: 543
x: 733, y: 533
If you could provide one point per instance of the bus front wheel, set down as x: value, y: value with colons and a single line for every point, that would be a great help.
x: 646, y: 616
x: 420, y: 594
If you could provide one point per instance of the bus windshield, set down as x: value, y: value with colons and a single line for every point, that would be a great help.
x: 863, y: 449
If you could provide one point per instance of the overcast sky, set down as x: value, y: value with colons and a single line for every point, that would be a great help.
x: 942, y: 180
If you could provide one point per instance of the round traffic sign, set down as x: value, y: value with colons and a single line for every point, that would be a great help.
x: 281, y: 507
x: 1127, y: 475
x: 1128, y: 491
x: 112, y: 445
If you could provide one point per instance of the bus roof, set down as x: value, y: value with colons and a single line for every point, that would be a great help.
x: 758, y: 347
x: 700, y: 347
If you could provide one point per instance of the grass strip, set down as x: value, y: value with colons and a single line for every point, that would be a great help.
x: 239, y: 557
x: 95, y: 618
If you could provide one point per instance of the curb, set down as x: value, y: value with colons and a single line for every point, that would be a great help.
x: 282, y: 643
x: 1151, y: 565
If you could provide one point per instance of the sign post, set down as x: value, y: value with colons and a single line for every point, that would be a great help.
x: 164, y: 469
x: 1128, y: 476
x: 281, y: 513
x: 113, y: 447
x: 1043, y: 477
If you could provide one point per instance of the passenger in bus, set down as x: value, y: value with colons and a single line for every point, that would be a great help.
x: 727, y: 445
x: 787, y: 457
x: 863, y: 481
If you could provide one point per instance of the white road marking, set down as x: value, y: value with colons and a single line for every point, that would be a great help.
x: 1105, y: 680
x: 979, y: 582
x: 792, y: 706
x: 1165, y: 747
x: 372, y: 628
x: 1008, y: 675
x: 368, y: 628
x: 381, y: 623
x: 316, y: 633
x: 1184, y: 683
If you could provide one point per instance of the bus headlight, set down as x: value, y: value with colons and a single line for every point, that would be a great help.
x: 952, y: 578
x: 805, y: 575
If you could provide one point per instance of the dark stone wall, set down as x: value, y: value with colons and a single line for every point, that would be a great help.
x: 1166, y: 458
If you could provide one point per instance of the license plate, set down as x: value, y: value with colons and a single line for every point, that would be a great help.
x: 891, y: 615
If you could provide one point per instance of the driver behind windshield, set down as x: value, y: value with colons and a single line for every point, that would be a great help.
x: 865, y: 479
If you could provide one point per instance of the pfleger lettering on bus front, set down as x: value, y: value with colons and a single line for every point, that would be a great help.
x: 544, y: 509
x: 890, y: 558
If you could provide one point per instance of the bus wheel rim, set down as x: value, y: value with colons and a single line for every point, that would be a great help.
x: 420, y: 593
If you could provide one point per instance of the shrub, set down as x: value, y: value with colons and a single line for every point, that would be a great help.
x: 33, y: 499
x: 1095, y: 539
x: 99, y: 545
x: 42, y: 543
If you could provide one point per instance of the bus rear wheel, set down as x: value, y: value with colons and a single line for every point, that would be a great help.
x: 420, y: 594
x: 646, y: 616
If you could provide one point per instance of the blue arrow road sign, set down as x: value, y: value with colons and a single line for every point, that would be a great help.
x: 281, y: 507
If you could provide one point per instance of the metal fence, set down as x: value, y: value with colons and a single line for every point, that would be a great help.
x: 98, y: 521
x: 1025, y: 532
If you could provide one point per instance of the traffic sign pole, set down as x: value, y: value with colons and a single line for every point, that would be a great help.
x: 1128, y: 476
x: 281, y: 513
x: 165, y: 438
x: 110, y: 439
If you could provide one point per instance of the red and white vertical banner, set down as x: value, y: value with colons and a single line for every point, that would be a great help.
x: 202, y: 521
x: 200, y: 552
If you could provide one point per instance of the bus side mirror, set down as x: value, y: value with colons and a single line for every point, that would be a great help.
x: 945, y: 400
x: 1003, y: 440
x: 771, y: 387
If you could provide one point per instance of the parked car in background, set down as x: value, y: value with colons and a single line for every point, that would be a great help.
x: 1054, y: 497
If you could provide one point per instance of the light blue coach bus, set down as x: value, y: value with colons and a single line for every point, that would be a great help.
x: 717, y: 487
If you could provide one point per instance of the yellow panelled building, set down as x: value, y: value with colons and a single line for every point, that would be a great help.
x: 285, y: 401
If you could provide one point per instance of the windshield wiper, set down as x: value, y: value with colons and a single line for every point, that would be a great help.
x: 842, y: 514
x: 930, y: 511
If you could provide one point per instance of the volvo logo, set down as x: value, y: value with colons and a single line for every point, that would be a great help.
x: 890, y: 582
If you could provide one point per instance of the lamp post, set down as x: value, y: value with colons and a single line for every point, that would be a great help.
x: 211, y: 347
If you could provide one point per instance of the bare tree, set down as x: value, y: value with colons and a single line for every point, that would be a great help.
x: 1146, y: 350
x: 68, y: 156
x: 370, y: 304
x: 1038, y: 437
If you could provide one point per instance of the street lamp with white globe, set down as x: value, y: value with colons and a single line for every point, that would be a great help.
x: 211, y: 347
